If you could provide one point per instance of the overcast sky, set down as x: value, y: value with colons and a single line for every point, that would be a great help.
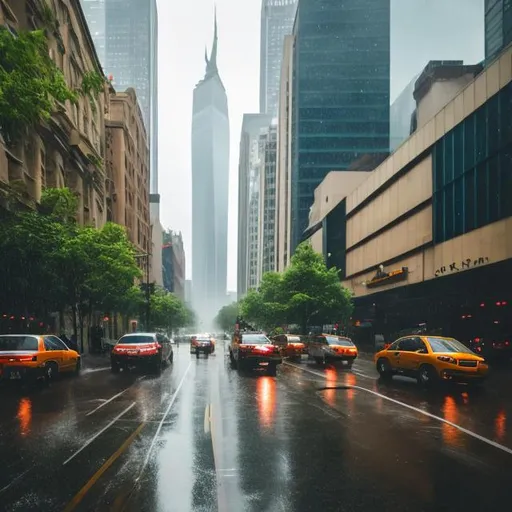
x: 421, y: 30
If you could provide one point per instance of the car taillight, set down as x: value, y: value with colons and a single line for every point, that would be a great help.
x: 158, y: 346
x: 25, y: 359
x: 477, y: 340
x: 507, y: 343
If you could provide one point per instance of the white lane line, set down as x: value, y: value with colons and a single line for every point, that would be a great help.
x: 19, y: 477
x: 106, y: 402
x: 157, y: 433
x: 93, y: 438
x: 363, y: 375
x: 93, y: 370
x: 483, y: 439
x: 207, y: 419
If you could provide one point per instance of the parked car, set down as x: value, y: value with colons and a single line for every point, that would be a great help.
x: 290, y: 345
x: 149, y: 350
x: 29, y: 357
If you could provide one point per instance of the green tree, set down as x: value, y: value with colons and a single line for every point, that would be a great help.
x: 313, y: 293
x: 226, y: 317
x: 168, y: 312
x: 30, y: 82
x: 266, y: 307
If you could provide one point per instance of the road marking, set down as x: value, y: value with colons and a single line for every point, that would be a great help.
x: 86, y: 488
x: 19, y: 477
x: 363, y: 375
x: 207, y: 419
x: 107, y: 402
x: 420, y: 411
x: 93, y: 438
x: 93, y: 370
x: 157, y: 433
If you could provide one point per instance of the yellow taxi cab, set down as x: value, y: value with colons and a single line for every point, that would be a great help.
x: 431, y: 359
x: 290, y: 345
x: 251, y: 350
x: 29, y: 357
x: 326, y: 348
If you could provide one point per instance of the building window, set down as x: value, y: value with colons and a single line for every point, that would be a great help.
x: 472, y: 171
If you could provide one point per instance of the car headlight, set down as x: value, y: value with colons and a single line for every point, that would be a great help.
x: 447, y: 359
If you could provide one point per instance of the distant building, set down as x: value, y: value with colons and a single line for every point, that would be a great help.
x: 210, y: 190
x: 188, y: 291
x: 248, y: 175
x: 401, y: 116
x: 173, y: 264
x: 498, y: 26
x: 277, y: 17
x: 341, y: 93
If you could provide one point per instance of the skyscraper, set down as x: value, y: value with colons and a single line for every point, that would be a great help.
x: 125, y: 33
x: 248, y: 187
x: 498, y: 26
x: 277, y: 18
x: 340, y: 108
x: 210, y: 187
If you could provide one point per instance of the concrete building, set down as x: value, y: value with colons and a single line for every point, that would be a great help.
x: 284, y: 158
x: 277, y: 17
x: 127, y: 161
x: 341, y: 93
x: 210, y: 188
x: 267, y: 200
x: 401, y: 115
x: 498, y: 27
x: 68, y: 149
x: 173, y: 261
x: 426, y: 238
x: 252, y: 125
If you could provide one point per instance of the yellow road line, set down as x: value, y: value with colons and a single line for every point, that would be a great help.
x: 86, y: 488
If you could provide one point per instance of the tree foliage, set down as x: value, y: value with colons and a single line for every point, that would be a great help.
x: 226, y: 317
x: 168, y: 312
x: 30, y: 82
x: 307, y: 293
x: 53, y: 264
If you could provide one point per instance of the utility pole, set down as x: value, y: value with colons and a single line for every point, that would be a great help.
x: 145, y: 256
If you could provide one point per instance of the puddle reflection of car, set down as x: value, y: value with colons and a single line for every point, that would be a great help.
x: 250, y: 351
x: 202, y: 344
x: 147, y: 350
x: 431, y: 359
x: 290, y: 346
x: 29, y: 358
x: 329, y: 348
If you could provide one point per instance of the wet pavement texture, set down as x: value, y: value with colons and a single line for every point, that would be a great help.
x: 204, y: 437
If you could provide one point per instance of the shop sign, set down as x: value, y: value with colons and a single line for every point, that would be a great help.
x: 463, y: 265
x: 382, y: 278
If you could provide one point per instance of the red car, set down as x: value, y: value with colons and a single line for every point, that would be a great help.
x: 150, y: 350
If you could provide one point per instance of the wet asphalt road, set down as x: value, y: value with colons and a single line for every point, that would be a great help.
x: 202, y: 437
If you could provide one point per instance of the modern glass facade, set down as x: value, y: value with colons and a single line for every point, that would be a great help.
x: 341, y: 82
x: 498, y: 26
x: 277, y: 18
x: 472, y: 166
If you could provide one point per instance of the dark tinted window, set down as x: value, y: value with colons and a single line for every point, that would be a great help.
x: 18, y: 343
x: 137, y: 339
x: 447, y: 345
x: 57, y: 343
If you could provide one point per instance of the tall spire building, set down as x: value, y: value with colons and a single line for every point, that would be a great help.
x: 210, y: 186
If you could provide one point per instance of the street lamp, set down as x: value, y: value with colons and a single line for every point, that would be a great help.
x: 145, y: 256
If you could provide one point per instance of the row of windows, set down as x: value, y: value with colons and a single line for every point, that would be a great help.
x: 340, y: 100
x: 341, y: 127
x: 369, y: 114
x: 472, y: 142
x: 310, y: 69
x: 473, y: 170
x: 344, y: 84
x: 479, y: 197
x: 344, y: 143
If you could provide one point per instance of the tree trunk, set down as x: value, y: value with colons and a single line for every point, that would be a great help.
x: 75, y: 320
x: 81, y: 325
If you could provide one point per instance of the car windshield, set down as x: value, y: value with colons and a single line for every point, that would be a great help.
x: 15, y: 343
x: 250, y: 339
x: 448, y: 345
x: 143, y: 338
x: 334, y: 340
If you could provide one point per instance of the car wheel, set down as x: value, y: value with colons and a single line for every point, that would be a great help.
x: 171, y: 359
x: 318, y: 360
x: 427, y: 376
x: 197, y: 354
x: 51, y: 371
x: 350, y: 364
x: 384, y: 368
x: 157, y: 367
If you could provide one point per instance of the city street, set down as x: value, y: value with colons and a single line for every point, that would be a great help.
x: 203, y: 437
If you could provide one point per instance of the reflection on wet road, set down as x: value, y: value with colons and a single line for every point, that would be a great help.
x: 202, y: 437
